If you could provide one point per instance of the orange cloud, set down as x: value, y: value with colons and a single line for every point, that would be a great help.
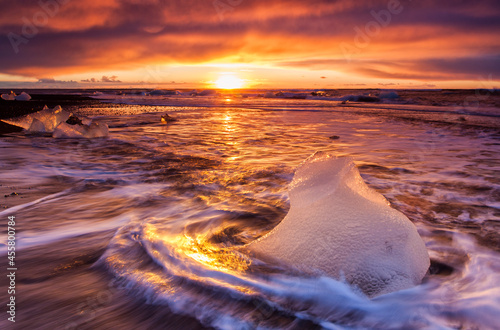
x: 92, y: 36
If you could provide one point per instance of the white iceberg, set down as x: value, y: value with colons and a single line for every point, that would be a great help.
x: 36, y: 127
x: 194, y: 92
x: 207, y: 92
x: 49, y: 119
x: 89, y: 131
x: 340, y: 227
x: 8, y: 97
x: 23, y: 97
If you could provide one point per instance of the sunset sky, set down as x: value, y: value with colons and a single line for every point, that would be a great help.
x: 262, y: 44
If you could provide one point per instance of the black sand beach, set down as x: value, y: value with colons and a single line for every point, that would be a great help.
x: 227, y: 168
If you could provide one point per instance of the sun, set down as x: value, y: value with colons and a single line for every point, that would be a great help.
x: 229, y: 81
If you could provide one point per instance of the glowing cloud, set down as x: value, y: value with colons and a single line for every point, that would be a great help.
x: 450, y: 43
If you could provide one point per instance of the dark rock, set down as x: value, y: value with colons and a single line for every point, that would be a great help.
x: 364, y: 98
x: 9, y: 109
x: 73, y: 120
x: 334, y: 137
x: 8, y: 128
x: 439, y: 268
x: 167, y: 119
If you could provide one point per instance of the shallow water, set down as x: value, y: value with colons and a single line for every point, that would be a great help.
x: 143, y: 227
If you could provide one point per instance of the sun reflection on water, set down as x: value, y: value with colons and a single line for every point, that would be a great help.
x: 209, y: 255
x: 200, y: 250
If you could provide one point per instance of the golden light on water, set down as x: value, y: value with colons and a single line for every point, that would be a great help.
x: 202, y: 251
x: 212, y: 256
x: 229, y: 81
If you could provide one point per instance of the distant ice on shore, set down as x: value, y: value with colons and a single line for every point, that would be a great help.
x: 360, y: 96
x: 61, y: 123
x: 12, y: 96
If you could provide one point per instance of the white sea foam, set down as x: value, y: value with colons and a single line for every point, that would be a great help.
x: 249, y: 299
x: 225, y: 173
x: 28, y: 239
x: 93, y: 130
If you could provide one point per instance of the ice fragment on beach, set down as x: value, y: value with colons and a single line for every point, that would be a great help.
x: 9, y: 97
x: 50, y: 118
x: 90, y: 131
x: 339, y: 226
x: 36, y: 127
x: 167, y: 119
x: 207, y: 92
x: 12, y: 96
x: 23, y: 97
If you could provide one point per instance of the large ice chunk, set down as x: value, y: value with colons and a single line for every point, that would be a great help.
x: 207, y: 92
x: 36, y: 127
x: 339, y: 226
x: 93, y: 130
x: 23, y: 97
x: 50, y: 118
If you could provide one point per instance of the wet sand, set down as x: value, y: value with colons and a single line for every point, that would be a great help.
x: 57, y: 290
x: 60, y: 286
x: 19, y: 191
x: 47, y: 294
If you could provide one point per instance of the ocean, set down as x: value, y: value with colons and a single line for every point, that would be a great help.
x: 143, y: 229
